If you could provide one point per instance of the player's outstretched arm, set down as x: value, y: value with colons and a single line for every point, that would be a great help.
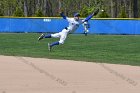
x: 90, y: 16
x: 62, y: 14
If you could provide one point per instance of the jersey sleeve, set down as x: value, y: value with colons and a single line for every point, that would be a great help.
x: 90, y: 16
x: 62, y: 15
x: 87, y: 18
x: 69, y: 19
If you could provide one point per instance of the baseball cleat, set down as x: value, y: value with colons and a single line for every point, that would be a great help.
x: 49, y: 47
x: 41, y: 37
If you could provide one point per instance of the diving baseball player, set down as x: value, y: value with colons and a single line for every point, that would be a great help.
x: 73, y: 25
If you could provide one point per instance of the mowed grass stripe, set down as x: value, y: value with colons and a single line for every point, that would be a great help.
x: 116, y: 49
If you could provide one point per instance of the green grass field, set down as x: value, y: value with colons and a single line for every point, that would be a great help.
x: 116, y: 49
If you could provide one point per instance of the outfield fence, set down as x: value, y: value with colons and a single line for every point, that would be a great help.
x: 47, y: 24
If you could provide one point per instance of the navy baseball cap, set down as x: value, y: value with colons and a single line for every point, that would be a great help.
x: 76, y: 14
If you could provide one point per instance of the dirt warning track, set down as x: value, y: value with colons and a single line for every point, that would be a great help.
x: 40, y: 75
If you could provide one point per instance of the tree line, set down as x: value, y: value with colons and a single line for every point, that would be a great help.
x: 50, y: 8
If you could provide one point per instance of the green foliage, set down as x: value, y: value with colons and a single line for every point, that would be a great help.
x: 18, y: 12
x: 1, y: 13
x: 85, y: 11
x: 122, y: 14
x: 103, y: 14
x: 39, y: 13
x: 85, y: 7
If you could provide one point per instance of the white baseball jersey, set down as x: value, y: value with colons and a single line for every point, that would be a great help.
x: 73, y: 24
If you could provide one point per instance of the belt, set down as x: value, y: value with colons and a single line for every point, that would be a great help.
x: 66, y: 28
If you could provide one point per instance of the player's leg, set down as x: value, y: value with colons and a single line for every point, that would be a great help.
x: 42, y: 36
x: 61, y: 41
x: 63, y: 36
x: 56, y: 35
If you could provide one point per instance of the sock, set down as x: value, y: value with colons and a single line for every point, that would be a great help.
x: 54, y: 43
x: 48, y: 36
